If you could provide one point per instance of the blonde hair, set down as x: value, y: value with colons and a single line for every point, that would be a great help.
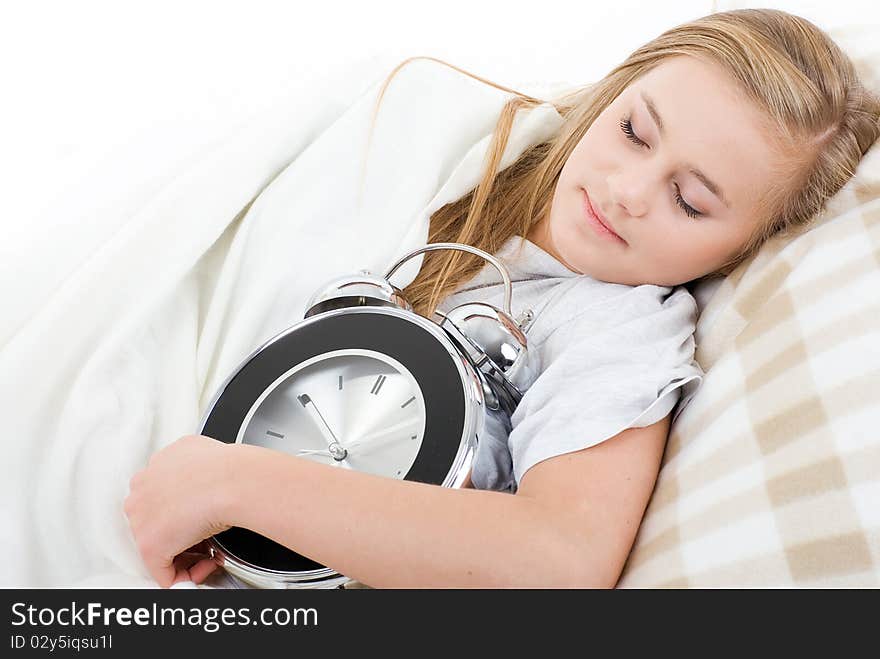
x: 818, y: 114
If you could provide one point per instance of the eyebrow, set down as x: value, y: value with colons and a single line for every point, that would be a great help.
x: 709, y: 183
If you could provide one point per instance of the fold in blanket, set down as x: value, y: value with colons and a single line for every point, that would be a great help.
x: 176, y: 287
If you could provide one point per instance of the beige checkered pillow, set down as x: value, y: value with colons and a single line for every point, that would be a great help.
x: 771, y: 475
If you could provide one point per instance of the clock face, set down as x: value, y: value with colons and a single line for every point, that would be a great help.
x: 352, y: 409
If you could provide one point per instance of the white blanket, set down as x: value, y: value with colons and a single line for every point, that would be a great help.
x: 126, y: 309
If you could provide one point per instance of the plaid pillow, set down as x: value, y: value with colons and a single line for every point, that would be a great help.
x: 771, y: 476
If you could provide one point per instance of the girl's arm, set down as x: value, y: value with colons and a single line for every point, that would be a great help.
x: 571, y: 524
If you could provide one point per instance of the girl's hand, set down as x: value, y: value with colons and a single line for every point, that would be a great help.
x: 175, y: 503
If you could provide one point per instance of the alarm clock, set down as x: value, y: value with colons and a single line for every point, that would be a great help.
x: 363, y: 382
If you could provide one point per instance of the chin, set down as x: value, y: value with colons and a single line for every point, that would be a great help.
x: 569, y: 260
x: 570, y: 264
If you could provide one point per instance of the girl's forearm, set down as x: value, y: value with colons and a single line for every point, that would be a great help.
x: 398, y: 534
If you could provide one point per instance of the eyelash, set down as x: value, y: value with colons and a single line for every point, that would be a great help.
x: 626, y: 127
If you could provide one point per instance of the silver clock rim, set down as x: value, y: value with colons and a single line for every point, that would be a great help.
x: 274, y: 579
x: 474, y: 421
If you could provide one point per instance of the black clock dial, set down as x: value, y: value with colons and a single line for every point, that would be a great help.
x: 404, y: 381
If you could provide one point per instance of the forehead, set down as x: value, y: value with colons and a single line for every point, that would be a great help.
x: 710, y: 124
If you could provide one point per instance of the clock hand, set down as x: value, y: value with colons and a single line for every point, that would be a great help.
x: 308, y: 451
x: 322, y: 452
x: 337, y: 450
x: 376, y: 438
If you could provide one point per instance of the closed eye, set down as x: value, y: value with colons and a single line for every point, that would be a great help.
x: 627, y: 128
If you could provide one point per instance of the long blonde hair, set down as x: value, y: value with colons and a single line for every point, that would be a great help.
x: 818, y: 113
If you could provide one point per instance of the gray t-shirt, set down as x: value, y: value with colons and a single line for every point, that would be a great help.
x: 606, y: 357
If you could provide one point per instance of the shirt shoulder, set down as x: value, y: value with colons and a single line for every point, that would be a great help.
x: 624, y: 363
x: 619, y: 315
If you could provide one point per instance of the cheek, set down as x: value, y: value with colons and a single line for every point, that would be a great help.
x: 581, y: 162
x: 598, y: 146
x: 598, y: 153
x: 689, y: 251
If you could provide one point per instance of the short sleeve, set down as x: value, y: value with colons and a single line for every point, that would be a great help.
x: 598, y: 379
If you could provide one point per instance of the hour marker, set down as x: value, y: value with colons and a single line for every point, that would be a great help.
x: 378, y: 385
x: 274, y: 434
x: 408, y: 402
x: 414, y: 436
x: 340, y: 383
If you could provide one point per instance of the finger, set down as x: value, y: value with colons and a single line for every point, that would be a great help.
x: 186, y: 560
x: 201, y: 570
x: 181, y: 575
x: 165, y: 572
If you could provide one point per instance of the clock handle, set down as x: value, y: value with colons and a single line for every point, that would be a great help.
x: 508, y: 287
x: 494, y: 341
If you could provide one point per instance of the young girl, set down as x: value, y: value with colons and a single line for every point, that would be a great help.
x: 678, y: 165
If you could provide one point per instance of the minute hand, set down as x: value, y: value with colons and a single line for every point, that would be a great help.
x: 336, y: 449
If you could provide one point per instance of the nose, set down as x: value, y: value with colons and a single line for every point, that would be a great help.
x: 629, y: 190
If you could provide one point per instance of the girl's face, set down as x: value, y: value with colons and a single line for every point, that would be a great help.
x: 675, y: 166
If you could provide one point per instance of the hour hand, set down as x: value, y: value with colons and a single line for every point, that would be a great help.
x: 337, y: 450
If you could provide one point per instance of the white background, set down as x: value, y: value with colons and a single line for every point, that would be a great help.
x: 79, y: 78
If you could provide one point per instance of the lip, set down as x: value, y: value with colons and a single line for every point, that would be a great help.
x: 593, y: 219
